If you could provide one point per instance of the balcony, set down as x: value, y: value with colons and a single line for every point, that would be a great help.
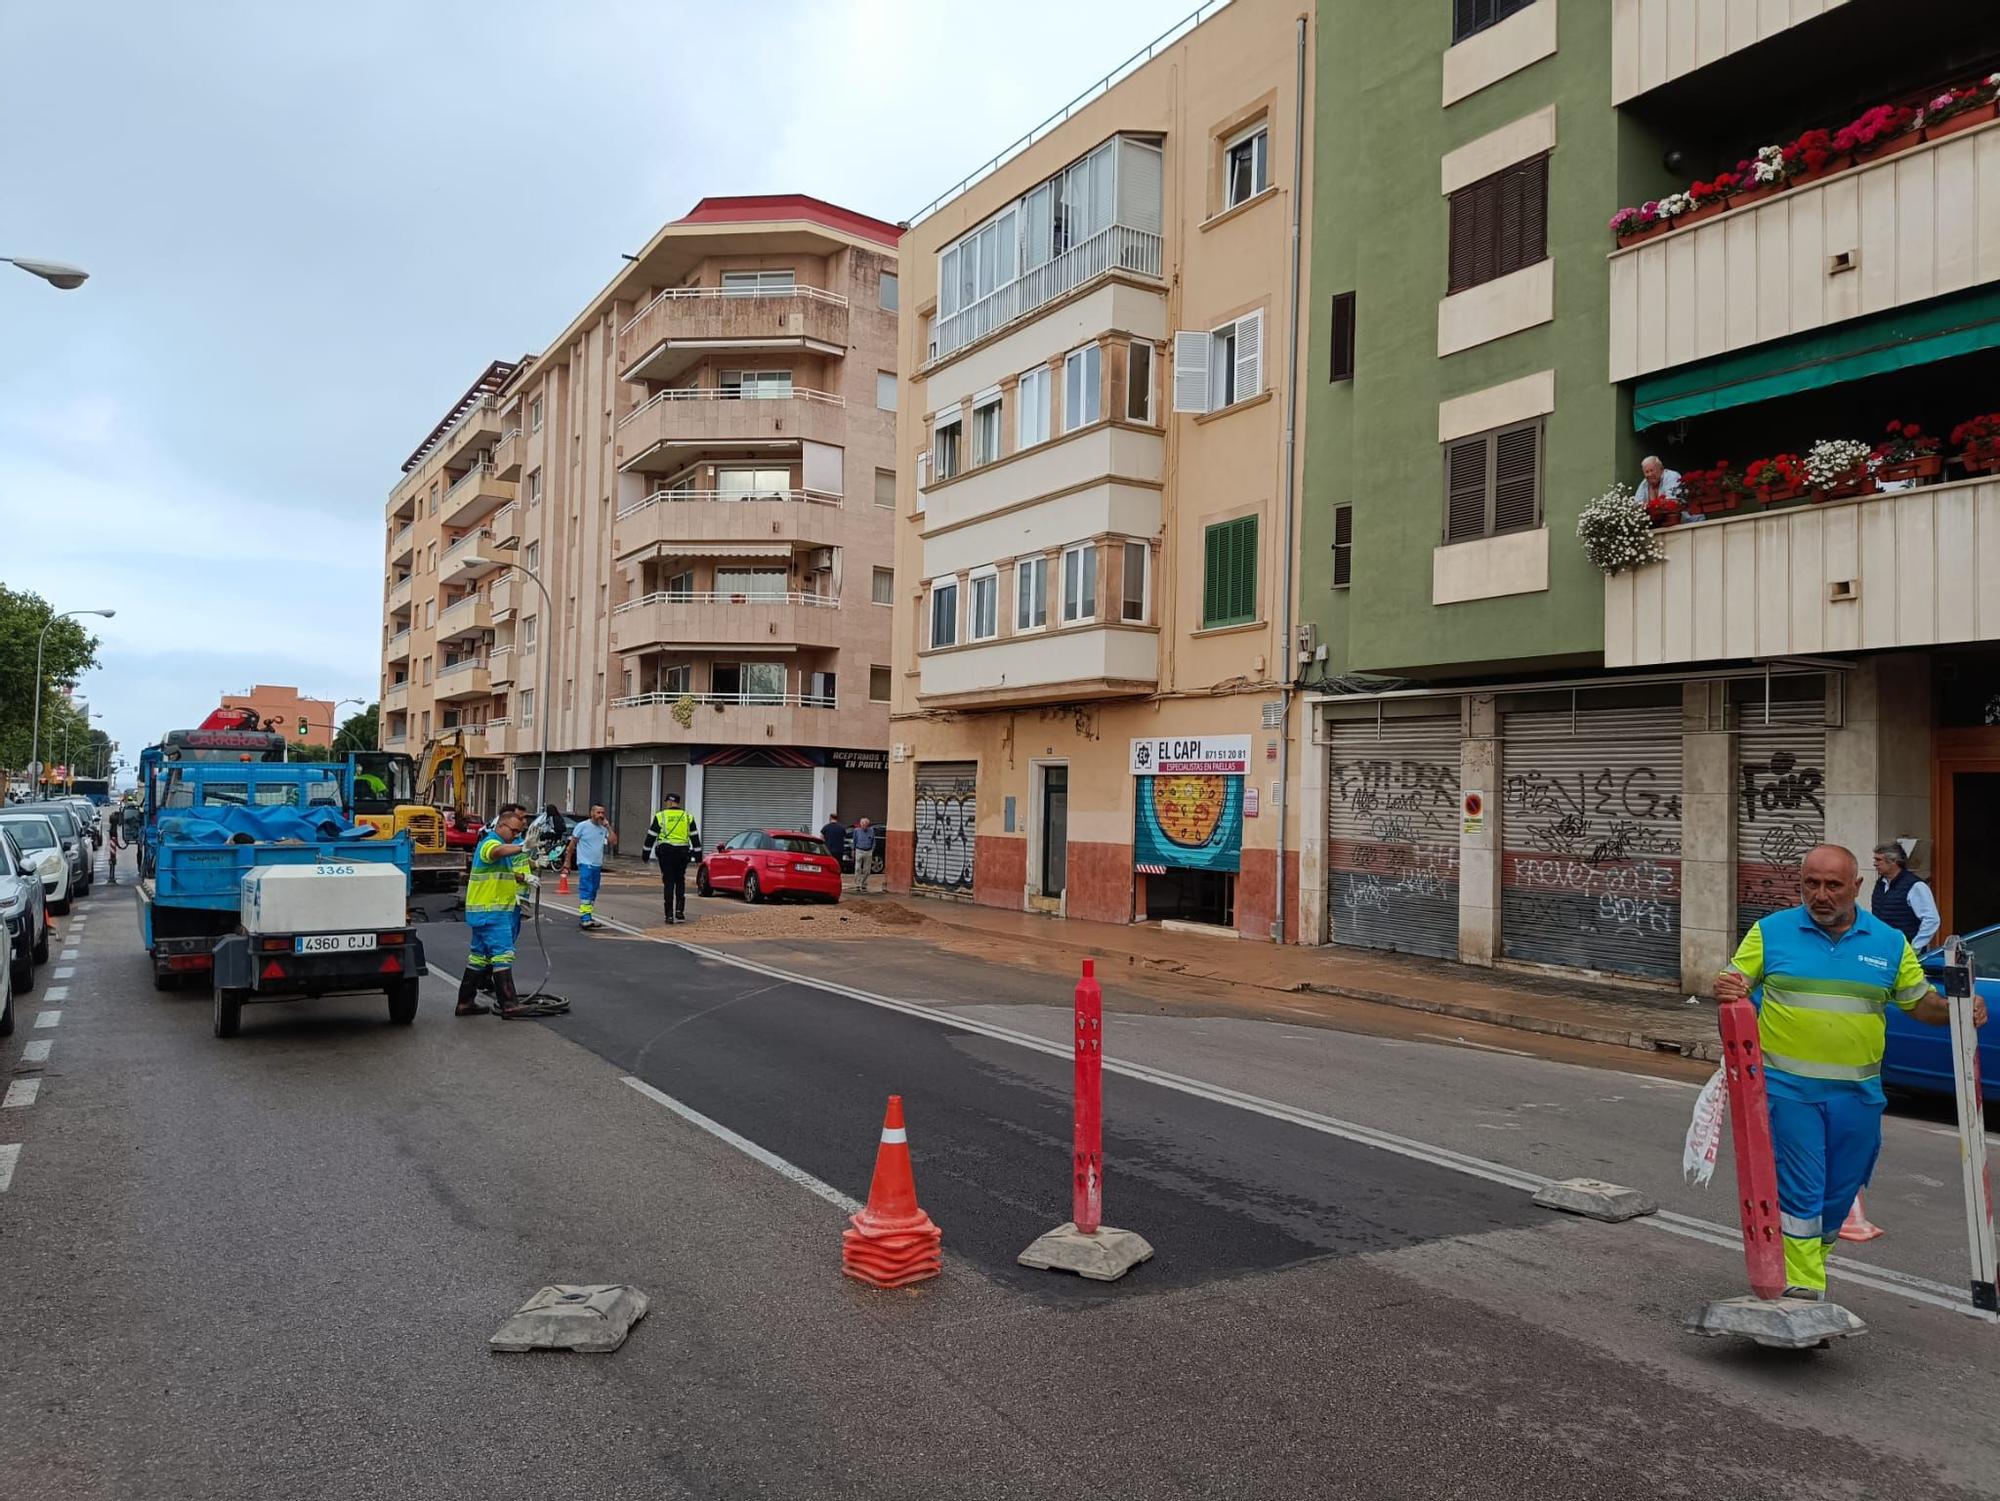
x: 470, y: 557
x: 399, y: 596
x: 475, y: 495
x: 477, y: 742
x: 499, y: 735
x: 682, y: 325
x: 1874, y: 573
x: 685, y: 618
x: 1095, y: 661
x: 668, y: 523
x: 506, y: 524
x: 1882, y: 235
x: 477, y: 427
x: 1656, y: 41
x: 459, y: 681
x: 500, y: 597
x: 508, y: 452
x: 467, y: 617
x: 402, y: 546
x: 723, y: 718
x: 1108, y: 479
x: 396, y: 700
x: 398, y: 649
x: 500, y: 666
x: 661, y: 434
x: 1116, y: 248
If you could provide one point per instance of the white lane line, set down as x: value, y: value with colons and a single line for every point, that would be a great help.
x: 47, y: 1018
x: 38, y: 1050
x: 67, y: 954
x: 65, y: 971
x: 1484, y: 1047
x: 747, y: 1147
x: 56, y: 993
x: 21, y: 1094
x: 9, y: 1155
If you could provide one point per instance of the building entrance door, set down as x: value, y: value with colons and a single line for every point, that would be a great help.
x: 1055, y: 831
x: 1964, y: 872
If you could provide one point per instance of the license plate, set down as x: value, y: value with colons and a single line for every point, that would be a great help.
x: 808, y: 868
x: 332, y: 943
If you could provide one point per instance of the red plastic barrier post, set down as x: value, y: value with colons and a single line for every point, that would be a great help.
x: 1089, y: 1135
x: 1756, y: 1164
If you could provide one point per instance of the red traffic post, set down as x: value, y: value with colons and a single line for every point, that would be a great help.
x: 1756, y: 1161
x: 1085, y: 1244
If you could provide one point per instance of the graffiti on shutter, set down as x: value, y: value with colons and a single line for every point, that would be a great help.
x: 1780, y: 802
x: 1591, y: 835
x: 946, y: 820
x: 1392, y: 835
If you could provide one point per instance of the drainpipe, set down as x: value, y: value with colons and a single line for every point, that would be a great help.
x: 1286, y: 635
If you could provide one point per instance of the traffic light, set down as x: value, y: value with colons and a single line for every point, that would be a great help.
x: 302, y: 727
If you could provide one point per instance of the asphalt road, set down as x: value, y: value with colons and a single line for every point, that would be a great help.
x: 268, y: 1267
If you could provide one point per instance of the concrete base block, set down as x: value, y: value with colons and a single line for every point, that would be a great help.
x: 1596, y: 1200
x: 593, y: 1319
x: 1783, y: 1323
x: 1103, y: 1257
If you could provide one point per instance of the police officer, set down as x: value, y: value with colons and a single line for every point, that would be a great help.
x: 673, y: 838
x: 1822, y: 975
x: 492, y: 911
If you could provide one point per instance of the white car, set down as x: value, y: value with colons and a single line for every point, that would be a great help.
x: 24, y: 916
x: 43, y: 848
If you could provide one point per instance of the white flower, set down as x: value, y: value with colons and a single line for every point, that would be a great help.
x: 1617, y: 533
x: 1831, y: 461
x: 1769, y: 165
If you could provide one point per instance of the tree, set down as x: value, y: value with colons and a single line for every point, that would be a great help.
x: 357, y: 732
x: 309, y: 750
x: 70, y: 652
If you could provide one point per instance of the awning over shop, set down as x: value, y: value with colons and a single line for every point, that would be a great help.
x: 1892, y: 340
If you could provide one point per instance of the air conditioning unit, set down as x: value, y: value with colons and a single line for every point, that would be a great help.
x: 822, y: 560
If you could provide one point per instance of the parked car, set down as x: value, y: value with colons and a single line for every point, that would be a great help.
x: 90, y: 816
x: 75, y: 843
x: 1918, y: 1057
x: 24, y: 912
x: 39, y: 840
x: 764, y: 863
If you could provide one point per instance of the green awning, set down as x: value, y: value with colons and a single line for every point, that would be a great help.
x: 1893, y: 340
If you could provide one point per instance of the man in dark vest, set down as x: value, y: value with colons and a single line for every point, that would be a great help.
x: 1901, y: 900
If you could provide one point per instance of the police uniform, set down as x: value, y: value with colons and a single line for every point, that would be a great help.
x: 492, y: 912
x: 674, y: 839
x: 1821, y: 1006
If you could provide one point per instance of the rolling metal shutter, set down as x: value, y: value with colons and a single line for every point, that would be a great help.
x: 735, y: 798
x: 1780, y: 803
x: 1590, y: 874
x: 946, y: 824
x: 635, y: 808
x: 1392, y: 835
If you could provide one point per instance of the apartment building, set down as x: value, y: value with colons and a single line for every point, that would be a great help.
x: 684, y: 584
x: 1092, y: 559
x: 1515, y: 757
x: 288, y: 708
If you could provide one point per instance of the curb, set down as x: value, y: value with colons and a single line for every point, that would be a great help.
x: 1639, y: 1038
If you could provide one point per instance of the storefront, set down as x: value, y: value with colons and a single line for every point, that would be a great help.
x: 1392, y: 847
x: 1190, y: 798
x: 752, y: 789
x: 945, y: 827
x: 1780, y: 792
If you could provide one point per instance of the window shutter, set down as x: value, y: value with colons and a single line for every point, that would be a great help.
x: 1341, y: 359
x: 1343, y: 546
x: 1243, y: 593
x: 1534, y: 211
x: 1465, y: 489
x: 1249, y: 355
x: 1190, y: 372
x: 1215, y: 552
x: 1517, y: 474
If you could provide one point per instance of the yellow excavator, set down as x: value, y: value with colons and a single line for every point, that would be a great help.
x: 394, y: 796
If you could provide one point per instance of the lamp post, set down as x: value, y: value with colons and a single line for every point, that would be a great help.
x: 333, y: 727
x: 42, y: 641
x: 55, y: 273
x: 543, y: 645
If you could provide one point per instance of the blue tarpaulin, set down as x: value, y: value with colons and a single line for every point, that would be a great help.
x: 219, y: 824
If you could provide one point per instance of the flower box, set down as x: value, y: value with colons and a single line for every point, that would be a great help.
x: 1634, y: 236
x: 1930, y: 466
x: 1780, y: 494
x: 1860, y: 484
x: 1839, y: 162
x: 1965, y: 119
x: 1902, y: 140
x: 1980, y: 459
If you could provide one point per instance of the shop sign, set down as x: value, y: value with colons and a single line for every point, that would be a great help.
x: 1213, y: 755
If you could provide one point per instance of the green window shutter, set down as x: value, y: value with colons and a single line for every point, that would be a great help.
x: 1229, y: 573
x: 1243, y: 598
x: 1214, y: 550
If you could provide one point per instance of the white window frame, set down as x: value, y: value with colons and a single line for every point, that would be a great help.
x: 937, y: 587
x: 1221, y: 368
x: 875, y: 579
x: 1086, y: 575
x: 890, y: 475
x: 758, y: 283
x: 756, y: 385
x: 990, y: 577
x: 1090, y: 388
x: 1031, y: 594
x: 984, y: 407
x: 1258, y: 138
x: 1143, y: 389
x: 528, y: 630
x: 1145, y: 583
x: 885, y: 384
x: 527, y: 707
x: 940, y: 425
x: 889, y: 295
x: 1032, y: 398
x: 535, y: 415
x: 534, y: 488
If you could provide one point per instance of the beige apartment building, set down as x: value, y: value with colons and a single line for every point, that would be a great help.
x: 1093, y: 556
x: 700, y: 473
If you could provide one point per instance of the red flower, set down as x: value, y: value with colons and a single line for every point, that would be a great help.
x: 1893, y: 427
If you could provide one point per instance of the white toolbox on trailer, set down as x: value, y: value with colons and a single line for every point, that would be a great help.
x: 329, y: 896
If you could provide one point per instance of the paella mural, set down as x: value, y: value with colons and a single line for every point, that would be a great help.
x: 1189, y: 822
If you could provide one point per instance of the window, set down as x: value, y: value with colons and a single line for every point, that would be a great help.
x: 1499, y: 224
x: 1343, y: 546
x: 755, y: 385
x: 427, y: 723
x: 819, y: 690
x: 878, y: 685
x: 424, y: 670
x: 889, y: 294
x: 885, y: 488
x: 600, y: 690
x: 528, y: 627
x: 944, y: 613
x: 535, y: 483
x: 986, y: 431
x: 945, y: 448
x: 1493, y: 482
x: 1246, y: 165
x: 1139, y: 383
x: 1132, y: 600
x: 983, y: 616
x: 531, y: 556
x: 1081, y: 368
x: 1219, y: 368
x: 675, y: 680
x: 885, y: 586
x: 1031, y: 399
x: 1229, y: 573
x: 1340, y: 357
x: 752, y: 583
x: 1468, y: 16
x: 1031, y: 594
x: 1079, y: 580
x: 748, y: 682
x: 751, y: 283
x: 885, y: 390
x: 680, y: 586
x: 743, y: 484
x: 535, y: 415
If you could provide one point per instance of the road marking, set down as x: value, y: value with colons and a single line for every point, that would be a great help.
x: 67, y: 954
x: 56, y: 993
x: 21, y: 1094
x: 747, y: 1147
x: 47, y: 1018
x: 1484, y: 1047
x: 9, y: 1155
x: 65, y: 971
x: 38, y: 1050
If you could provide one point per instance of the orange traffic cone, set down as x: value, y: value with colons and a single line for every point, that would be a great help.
x: 892, y: 1242
x: 1858, y: 1226
x: 562, y: 882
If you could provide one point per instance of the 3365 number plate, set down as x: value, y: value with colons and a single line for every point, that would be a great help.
x: 332, y: 943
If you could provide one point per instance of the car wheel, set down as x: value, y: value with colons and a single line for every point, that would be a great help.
x: 701, y: 882
x: 7, y: 1015
x: 42, y: 943
x: 752, y: 892
x: 23, y: 965
x: 60, y: 907
x: 228, y: 1010
x: 403, y: 1002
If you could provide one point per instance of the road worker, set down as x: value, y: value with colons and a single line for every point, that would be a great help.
x: 493, y: 889
x: 1822, y: 975
x: 672, y: 839
x: 588, y: 842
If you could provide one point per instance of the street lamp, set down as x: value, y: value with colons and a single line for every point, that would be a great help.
x: 333, y: 725
x: 42, y: 641
x: 55, y: 273
x: 544, y: 647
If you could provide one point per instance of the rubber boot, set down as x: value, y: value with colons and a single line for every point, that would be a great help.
x: 508, y: 1003
x: 468, y: 993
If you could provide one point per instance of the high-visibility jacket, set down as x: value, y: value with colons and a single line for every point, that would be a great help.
x: 672, y: 826
x: 490, y: 886
x: 1821, y: 1012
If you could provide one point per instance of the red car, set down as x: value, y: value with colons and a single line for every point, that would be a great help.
x: 764, y: 863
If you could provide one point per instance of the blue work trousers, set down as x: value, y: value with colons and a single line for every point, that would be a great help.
x: 1826, y: 1149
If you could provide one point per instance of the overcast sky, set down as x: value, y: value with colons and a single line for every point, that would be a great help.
x: 309, y: 227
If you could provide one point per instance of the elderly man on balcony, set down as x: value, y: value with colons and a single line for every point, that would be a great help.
x: 1658, y: 482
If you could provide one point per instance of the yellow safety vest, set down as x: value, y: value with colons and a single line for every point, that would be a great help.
x: 490, y: 886
x: 671, y: 825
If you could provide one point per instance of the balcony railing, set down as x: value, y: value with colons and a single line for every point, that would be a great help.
x: 723, y: 597
x: 484, y: 407
x: 697, y: 294
x: 728, y: 700
x: 732, y: 393
x: 1118, y: 247
x: 469, y: 543
x: 478, y: 471
x: 400, y: 544
x: 667, y: 497
x: 398, y: 647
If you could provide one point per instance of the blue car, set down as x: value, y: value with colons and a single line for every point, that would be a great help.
x: 1919, y: 1057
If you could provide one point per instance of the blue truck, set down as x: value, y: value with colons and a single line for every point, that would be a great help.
x: 256, y: 879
